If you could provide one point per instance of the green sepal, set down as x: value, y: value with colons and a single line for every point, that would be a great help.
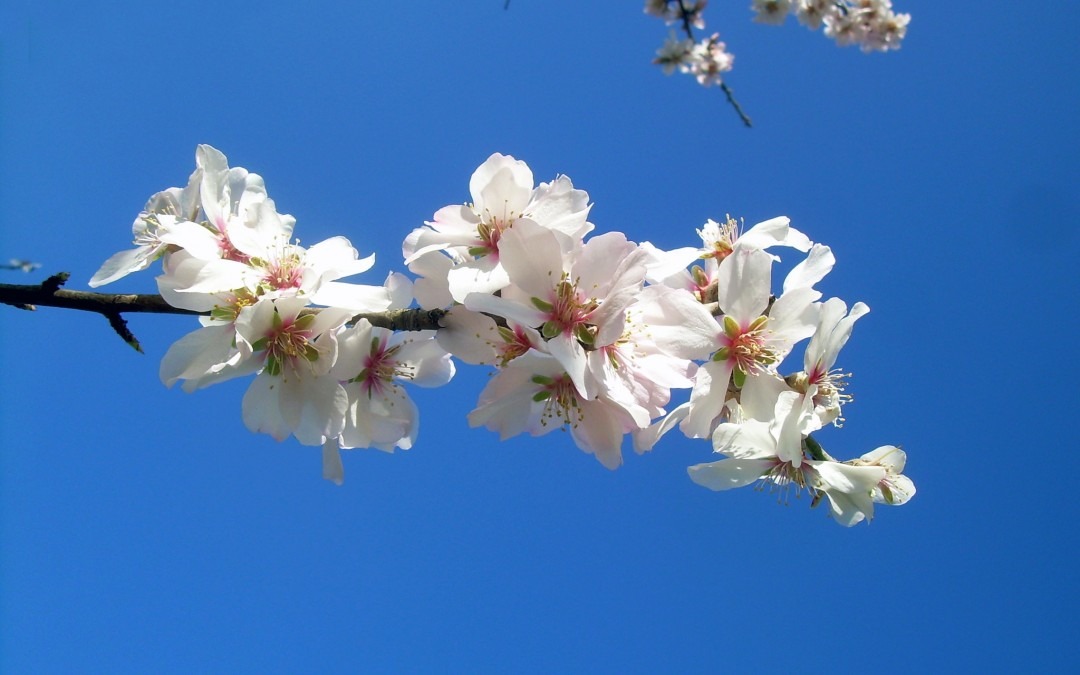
x: 738, y: 377
x: 304, y: 321
x: 585, y: 334
x: 543, y: 380
x: 549, y: 330
x: 757, y: 324
x: 310, y: 353
x: 700, y: 278
x: 541, y: 396
x: 259, y: 344
x: 731, y: 327
x: 722, y: 354
x: 542, y: 305
x: 815, y: 450
x: 273, y: 366
x: 222, y: 313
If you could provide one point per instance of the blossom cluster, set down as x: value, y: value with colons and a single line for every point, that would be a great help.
x: 588, y: 334
x: 277, y: 310
x: 871, y: 24
x: 706, y: 59
x: 592, y: 335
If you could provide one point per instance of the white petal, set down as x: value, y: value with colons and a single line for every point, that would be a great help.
x: 729, y: 473
x: 332, y: 468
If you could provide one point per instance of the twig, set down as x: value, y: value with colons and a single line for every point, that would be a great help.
x: 689, y: 30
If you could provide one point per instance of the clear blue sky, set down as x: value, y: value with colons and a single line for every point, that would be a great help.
x: 145, y: 530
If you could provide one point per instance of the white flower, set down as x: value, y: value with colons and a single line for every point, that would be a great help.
x: 773, y: 453
x: 534, y: 394
x: 165, y: 223
x: 294, y: 393
x: 771, y: 11
x: 571, y: 298
x: 372, y: 362
x: 831, y: 335
x: 708, y: 59
x: 674, y: 53
x: 470, y: 235
x: 895, y: 488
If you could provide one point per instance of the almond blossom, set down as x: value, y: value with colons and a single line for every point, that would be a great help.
x: 535, y: 394
x: 773, y: 453
x: 574, y: 299
x: 503, y: 195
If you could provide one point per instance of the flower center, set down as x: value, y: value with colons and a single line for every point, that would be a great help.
x: 720, y: 242
x: 568, y: 313
x: 381, y: 368
x: 746, y: 349
x: 560, y: 399
x: 288, y: 343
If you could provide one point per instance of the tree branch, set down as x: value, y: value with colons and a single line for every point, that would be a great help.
x: 111, y: 305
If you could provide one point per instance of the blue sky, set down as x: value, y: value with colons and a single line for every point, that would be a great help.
x: 145, y: 530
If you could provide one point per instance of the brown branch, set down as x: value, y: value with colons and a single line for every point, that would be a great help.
x: 111, y: 305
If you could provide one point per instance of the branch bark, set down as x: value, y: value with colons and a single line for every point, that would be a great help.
x: 50, y: 293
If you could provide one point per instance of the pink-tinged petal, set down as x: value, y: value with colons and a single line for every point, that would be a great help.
x: 729, y: 473
x: 743, y: 284
x: 262, y: 409
x: 818, y: 263
x: 707, y: 398
x: 332, y: 468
